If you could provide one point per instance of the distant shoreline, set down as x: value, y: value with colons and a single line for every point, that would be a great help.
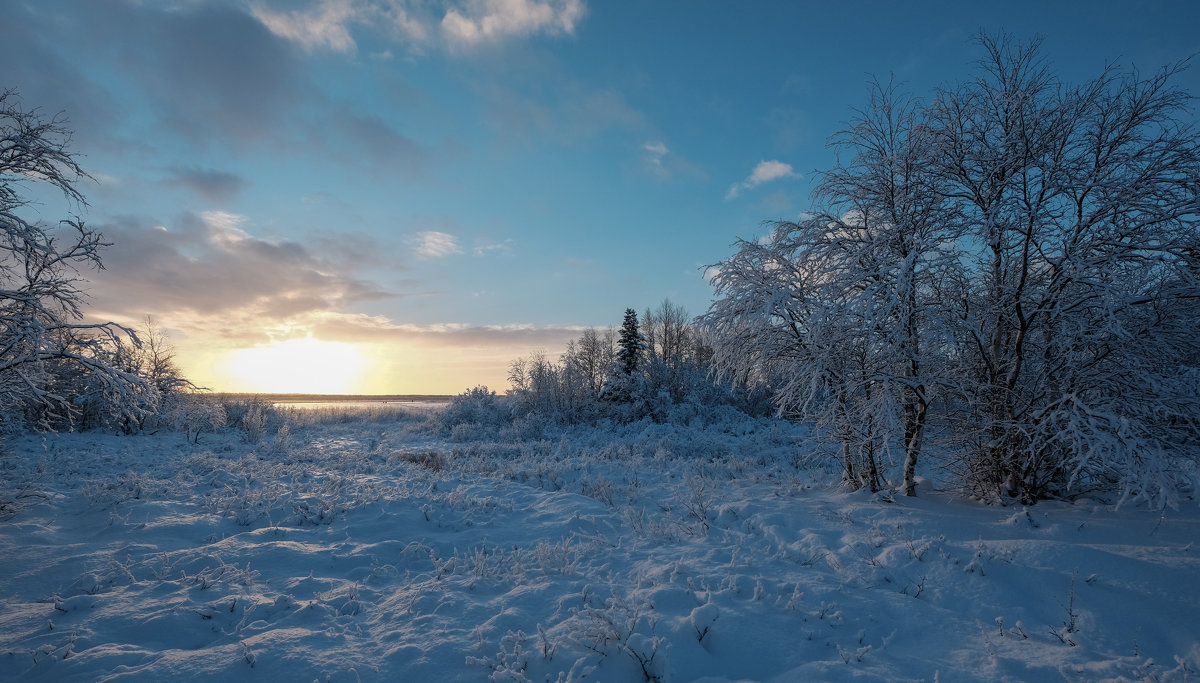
x: 333, y: 398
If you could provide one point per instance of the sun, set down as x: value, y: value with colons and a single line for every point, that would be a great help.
x: 297, y: 366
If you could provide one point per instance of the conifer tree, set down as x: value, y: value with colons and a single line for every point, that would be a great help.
x: 630, y: 344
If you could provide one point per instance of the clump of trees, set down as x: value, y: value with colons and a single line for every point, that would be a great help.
x: 57, y: 371
x: 654, y: 368
x: 1012, y: 266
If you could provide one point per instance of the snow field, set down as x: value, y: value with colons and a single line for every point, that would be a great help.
x: 368, y: 550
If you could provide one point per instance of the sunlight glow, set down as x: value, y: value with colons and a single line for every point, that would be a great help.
x: 297, y: 366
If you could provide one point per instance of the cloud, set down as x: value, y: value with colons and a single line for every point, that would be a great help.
x: 216, y: 186
x: 764, y: 172
x: 352, y: 138
x: 484, y: 21
x: 40, y: 62
x: 655, y: 152
x: 331, y: 24
x: 204, y: 75
x: 665, y: 164
x: 323, y: 25
x: 564, y: 111
x: 208, y: 268
x: 486, y: 247
x: 239, y: 90
x: 433, y: 244
x: 327, y: 24
x: 363, y: 327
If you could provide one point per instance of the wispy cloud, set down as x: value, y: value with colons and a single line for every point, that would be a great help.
x: 433, y: 244
x: 656, y: 151
x: 764, y: 172
x: 486, y: 247
x: 482, y: 21
x: 664, y: 163
x: 215, y: 186
x: 564, y: 111
x: 358, y: 139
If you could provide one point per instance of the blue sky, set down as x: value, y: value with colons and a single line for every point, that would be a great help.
x: 399, y: 196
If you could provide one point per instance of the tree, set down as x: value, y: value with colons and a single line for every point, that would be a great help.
x: 41, y: 290
x: 1082, y: 207
x: 158, y: 364
x: 841, y: 296
x: 596, y: 353
x: 1024, y: 249
x: 666, y: 331
x: 153, y: 360
x: 630, y: 343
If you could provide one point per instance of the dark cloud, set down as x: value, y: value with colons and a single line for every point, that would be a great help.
x: 184, y: 80
x: 210, y: 71
x: 218, y: 187
x: 38, y: 52
x: 215, y: 71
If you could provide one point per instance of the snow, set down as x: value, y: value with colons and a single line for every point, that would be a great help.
x: 367, y: 549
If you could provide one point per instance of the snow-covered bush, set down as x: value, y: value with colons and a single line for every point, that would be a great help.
x: 250, y: 416
x: 193, y: 413
x: 475, y: 413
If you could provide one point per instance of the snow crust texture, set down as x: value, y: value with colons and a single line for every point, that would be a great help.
x: 364, y: 549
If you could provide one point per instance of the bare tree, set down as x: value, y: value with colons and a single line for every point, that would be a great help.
x: 41, y: 290
x: 596, y: 354
x: 158, y: 364
x: 666, y: 329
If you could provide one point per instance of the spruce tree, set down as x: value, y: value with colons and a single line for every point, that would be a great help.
x: 631, y: 343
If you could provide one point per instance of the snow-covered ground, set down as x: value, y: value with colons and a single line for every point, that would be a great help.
x: 365, y: 549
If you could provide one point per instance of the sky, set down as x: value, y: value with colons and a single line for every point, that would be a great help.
x: 402, y: 196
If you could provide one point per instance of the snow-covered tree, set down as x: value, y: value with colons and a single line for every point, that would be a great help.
x: 1021, y: 249
x: 836, y: 304
x: 153, y: 360
x: 41, y: 290
x: 1072, y: 314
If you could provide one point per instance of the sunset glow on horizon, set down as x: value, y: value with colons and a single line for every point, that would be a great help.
x: 296, y: 366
